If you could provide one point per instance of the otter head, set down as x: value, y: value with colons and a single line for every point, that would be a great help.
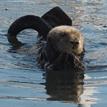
x: 66, y: 39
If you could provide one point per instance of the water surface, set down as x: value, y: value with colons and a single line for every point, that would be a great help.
x: 22, y: 82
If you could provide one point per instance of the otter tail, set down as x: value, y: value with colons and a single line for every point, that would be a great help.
x: 29, y: 21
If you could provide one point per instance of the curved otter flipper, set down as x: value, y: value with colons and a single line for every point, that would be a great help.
x: 56, y: 16
x: 29, y: 21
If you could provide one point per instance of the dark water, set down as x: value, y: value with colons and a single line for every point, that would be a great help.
x: 23, y: 84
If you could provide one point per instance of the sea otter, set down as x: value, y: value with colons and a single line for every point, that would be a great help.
x: 61, y: 45
x: 64, y: 48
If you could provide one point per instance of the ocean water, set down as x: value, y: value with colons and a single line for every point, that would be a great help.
x: 24, y: 84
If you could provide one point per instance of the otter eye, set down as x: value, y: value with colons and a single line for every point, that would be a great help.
x: 74, y: 43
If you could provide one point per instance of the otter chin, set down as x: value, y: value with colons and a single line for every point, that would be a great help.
x: 64, y: 48
x: 66, y: 39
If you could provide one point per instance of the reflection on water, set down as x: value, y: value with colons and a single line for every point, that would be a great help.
x: 64, y: 86
x: 23, y: 84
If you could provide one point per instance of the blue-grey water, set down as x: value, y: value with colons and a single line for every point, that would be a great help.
x: 22, y: 82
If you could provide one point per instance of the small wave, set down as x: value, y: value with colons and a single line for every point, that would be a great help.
x: 98, y: 68
x: 23, y: 98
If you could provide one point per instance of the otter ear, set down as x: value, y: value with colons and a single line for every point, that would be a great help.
x: 56, y: 17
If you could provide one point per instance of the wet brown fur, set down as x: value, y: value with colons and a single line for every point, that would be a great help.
x: 64, y: 48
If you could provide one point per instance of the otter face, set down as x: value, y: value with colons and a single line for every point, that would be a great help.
x: 66, y: 39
